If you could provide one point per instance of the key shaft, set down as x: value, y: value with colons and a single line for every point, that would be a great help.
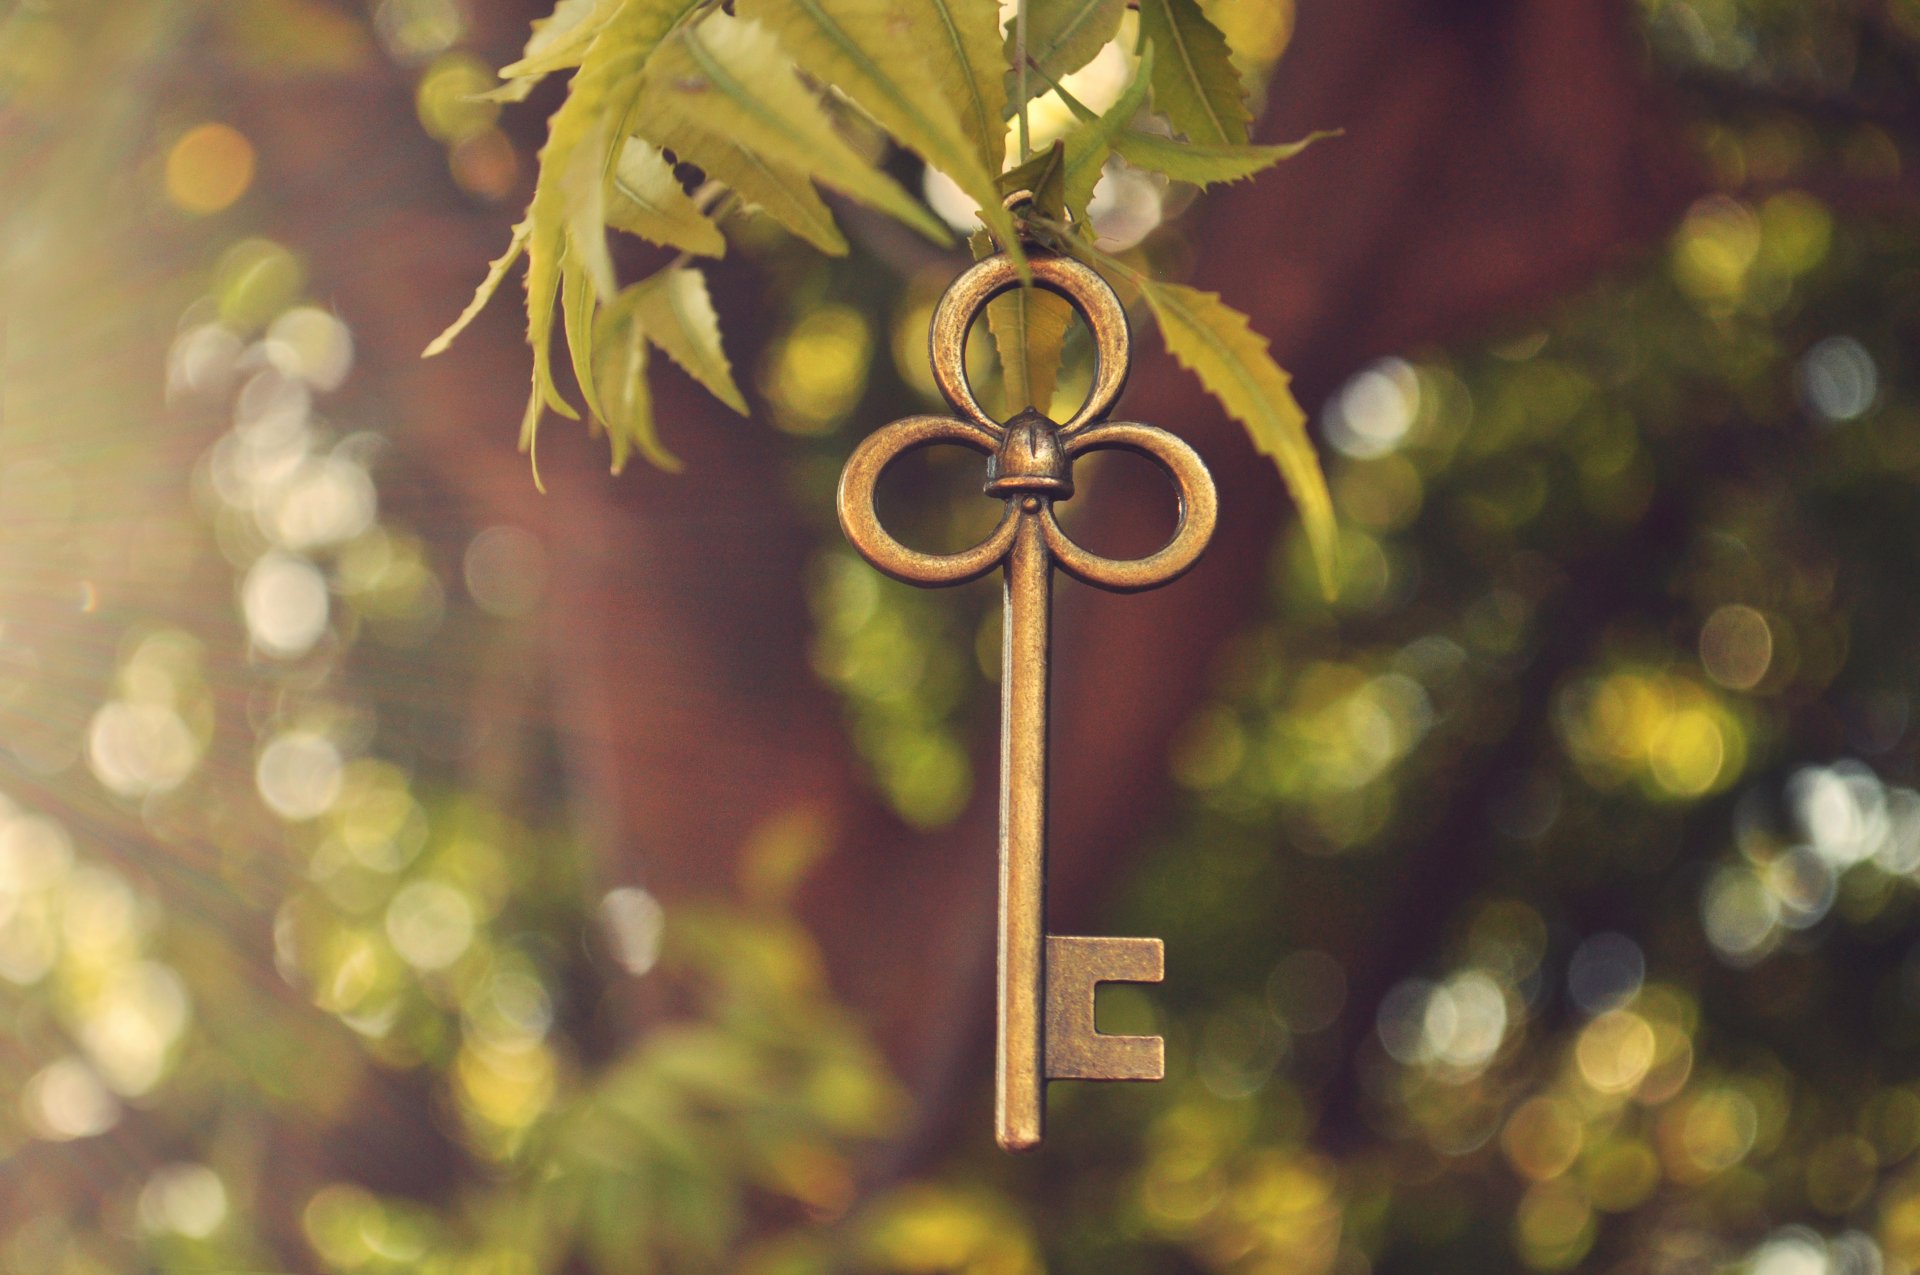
x: 1020, y: 1052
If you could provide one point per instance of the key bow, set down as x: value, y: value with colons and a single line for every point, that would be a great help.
x: 1030, y: 458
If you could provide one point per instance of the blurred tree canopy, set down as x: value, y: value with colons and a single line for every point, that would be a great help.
x: 403, y: 871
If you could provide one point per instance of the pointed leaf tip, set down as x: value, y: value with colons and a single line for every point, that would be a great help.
x: 496, y: 275
x: 1215, y: 342
x: 1195, y: 83
x: 676, y: 312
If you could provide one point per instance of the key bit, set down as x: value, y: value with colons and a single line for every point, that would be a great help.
x: 1076, y: 1050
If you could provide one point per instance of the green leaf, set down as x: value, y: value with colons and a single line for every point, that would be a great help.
x: 1090, y: 142
x: 584, y: 184
x: 1214, y: 342
x: 530, y: 432
x: 1062, y: 37
x: 1195, y: 84
x: 1043, y: 177
x: 676, y: 313
x: 869, y: 51
x: 578, y: 139
x: 961, y: 41
x: 1203, y: 164
x: 561, y: 39
x: 1029, y: 324
x: 518, y: 90
x: 620, y: 379
x: 579, y: 297
x: 781, y: 193
x: 648, y: 200
x: 1029, y: 327
x: 1091, y: 139
x: 496, y: 275
x: 726, y: 83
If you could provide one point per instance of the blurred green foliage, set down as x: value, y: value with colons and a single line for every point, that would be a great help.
x: 1546, y: 901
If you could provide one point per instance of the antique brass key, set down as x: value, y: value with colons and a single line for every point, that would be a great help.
x: 1047, y: 981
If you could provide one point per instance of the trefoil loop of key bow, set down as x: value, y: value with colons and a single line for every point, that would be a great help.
x: 1046, y: 984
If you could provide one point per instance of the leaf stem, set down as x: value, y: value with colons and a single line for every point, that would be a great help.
x: 1020, y: 60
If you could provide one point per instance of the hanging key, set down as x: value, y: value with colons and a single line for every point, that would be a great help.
x: 1047, y: 981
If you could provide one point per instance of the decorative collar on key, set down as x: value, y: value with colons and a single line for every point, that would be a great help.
x: 1031, y: 458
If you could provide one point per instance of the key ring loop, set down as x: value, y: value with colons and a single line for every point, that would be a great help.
x: 861, y: 521
x: 1077, y: 284
x: 1192, y: 485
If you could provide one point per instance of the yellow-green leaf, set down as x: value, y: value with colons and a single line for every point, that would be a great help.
x: 1090, y: 142
x: 512, y: 91
x: 676, y: 313
x: 781, y: 193
x: 585, y: 185
x: 561, y: 39
x: 1029, y: 327
x: 1043, y: 177
x: 578, y: 139
x: 579, y: 298
x: 1062, y: 37
x: 1195, y: 84
x: 648, y: 200
x: 620, y: 380
x: 530, y: 431
x: 1215, y: 343
x: 496, y: 275
x: 725, y: 83
x: 1201, y: 163
x: 961, y: 41
x: 1093, y: 136
x: 1257, y: 31
x: 870, y: 50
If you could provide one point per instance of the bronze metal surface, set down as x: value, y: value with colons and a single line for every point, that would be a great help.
x: 1075, y: 966
x: 1046, y: 986
x: 966, y: 300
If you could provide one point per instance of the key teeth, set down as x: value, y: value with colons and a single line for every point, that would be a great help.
x: 1075, y: 966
